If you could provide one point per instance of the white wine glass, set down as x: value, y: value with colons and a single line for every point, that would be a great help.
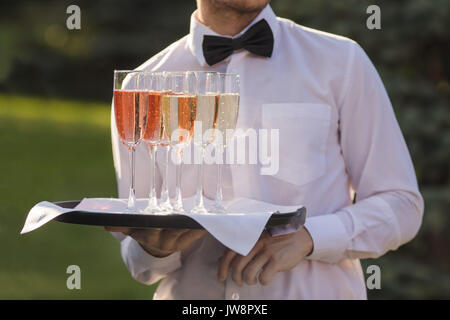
x: 207, y: 98
x: 179, y: 107
x: 225, y: 124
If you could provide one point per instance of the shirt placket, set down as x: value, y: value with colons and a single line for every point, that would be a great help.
x: 232, y: 290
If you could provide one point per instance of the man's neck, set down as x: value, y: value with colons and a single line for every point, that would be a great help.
x: 224, y: 22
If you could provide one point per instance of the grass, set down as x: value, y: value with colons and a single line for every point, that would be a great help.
x: 57, y: 150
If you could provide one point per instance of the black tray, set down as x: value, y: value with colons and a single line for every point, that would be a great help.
x: 169, y: 221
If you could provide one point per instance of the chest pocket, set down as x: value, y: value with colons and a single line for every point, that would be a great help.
x: 303, y: 132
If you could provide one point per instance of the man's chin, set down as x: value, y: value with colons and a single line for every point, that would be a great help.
x: 241, y: 6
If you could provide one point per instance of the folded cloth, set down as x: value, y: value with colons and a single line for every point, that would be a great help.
x: 238, y: 229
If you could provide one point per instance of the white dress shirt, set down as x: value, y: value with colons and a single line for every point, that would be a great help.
x: 338, y: 136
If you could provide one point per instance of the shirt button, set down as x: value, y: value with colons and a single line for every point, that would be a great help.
x: 235, y: 296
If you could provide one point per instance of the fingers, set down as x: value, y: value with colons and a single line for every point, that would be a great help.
x: 165, y: 240
x: 240, y: 262
x: 117, y: 229
x: 168, y: 239
x: 268, y: 272
x: 247, y: 268
x: 260, y: 261
x: 224, y: 264
x: 237, y: 262
x: 147, y: 237
x: 187, y: 238
x: 251, y: 271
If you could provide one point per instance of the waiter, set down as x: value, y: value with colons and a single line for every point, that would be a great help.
x: 338, y: 136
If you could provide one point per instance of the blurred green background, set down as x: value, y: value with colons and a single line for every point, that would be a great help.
x: 55, y: 93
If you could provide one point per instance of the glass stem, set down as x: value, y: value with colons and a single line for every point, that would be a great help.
x: 152, y: 201
x: 218, y: 205
x: 165, y: 199
x: 178, y: 195
x: 219, y: 196
x: 199, y: 194
x: 132, y: 197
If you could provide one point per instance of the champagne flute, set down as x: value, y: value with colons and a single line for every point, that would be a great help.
x: 225, y: 120
x: 207, y: 99
x: 128, y: 115
x: 164, y: 202
x: 151, y: 82
x: 179, y: 107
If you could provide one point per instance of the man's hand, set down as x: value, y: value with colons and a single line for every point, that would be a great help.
x: 161, y: 242
x: 269, y: 256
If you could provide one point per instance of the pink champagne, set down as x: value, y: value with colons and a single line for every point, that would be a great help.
x: 127, y: 113
x: 153, y: 126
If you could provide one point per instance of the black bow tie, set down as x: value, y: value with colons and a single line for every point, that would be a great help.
x: 258, y: 39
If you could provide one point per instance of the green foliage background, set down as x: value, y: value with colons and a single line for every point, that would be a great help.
x: 55, y: 89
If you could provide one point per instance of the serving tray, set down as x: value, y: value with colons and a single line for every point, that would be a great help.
x: 168, y: 221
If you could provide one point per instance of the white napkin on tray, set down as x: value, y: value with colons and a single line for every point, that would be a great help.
x: 238, y: 229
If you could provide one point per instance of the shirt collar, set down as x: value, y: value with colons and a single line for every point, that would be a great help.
x: 198, y: 30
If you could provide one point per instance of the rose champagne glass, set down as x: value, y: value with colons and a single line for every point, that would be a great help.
x: 151, y: 82
x: 128, y: 117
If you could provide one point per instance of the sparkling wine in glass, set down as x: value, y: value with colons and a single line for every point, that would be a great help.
x: 128, y: 117
x: 225, y: 120
x: 179, y: 109
x: 151, y: 83
x: 207, y: 99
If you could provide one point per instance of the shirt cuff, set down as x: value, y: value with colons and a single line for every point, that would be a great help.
x: 143, y: 261
x: 329, y: 237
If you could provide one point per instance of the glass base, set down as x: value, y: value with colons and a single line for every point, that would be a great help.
x: 166, y: 207
x: 151, y: 209
x: 152, y: 206
x: 218, y: 208
x: 131, y: 206
x: 199, y: 209
x: 177, y: 208
x: 131, y: 210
